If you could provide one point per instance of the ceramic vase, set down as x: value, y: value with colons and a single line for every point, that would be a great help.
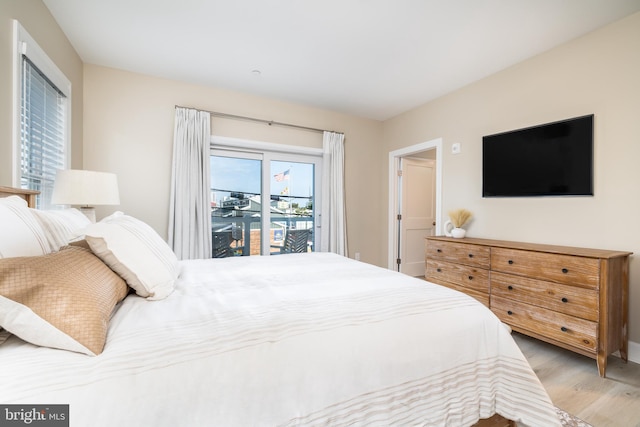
x: 458, y: 233
x: 451, y: 231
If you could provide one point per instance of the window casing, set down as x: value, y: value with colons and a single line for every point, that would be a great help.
x: 42, y: 118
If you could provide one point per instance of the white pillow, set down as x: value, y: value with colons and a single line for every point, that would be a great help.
x: 136, y: 252
x: 61, y: 226
x: 21, y: 233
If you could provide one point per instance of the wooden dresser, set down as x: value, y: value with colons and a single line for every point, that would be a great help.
x: 575, y: 298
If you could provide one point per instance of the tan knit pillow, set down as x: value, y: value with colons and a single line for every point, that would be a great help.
x: 62, y: 300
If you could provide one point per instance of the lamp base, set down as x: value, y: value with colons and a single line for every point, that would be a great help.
x: 89, y: 212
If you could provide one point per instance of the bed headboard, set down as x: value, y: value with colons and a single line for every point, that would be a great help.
x: 28, y: 195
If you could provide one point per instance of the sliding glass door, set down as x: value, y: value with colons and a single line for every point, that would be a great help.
x: 263, y: 203
x: 292, y: 216
x: 236, y: 195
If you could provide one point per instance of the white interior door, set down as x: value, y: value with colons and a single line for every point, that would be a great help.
x: 418, y: 212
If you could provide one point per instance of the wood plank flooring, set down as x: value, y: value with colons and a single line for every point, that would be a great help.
x: 574, y: 385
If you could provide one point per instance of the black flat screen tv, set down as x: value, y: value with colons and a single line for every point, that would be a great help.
x: 554, y: 159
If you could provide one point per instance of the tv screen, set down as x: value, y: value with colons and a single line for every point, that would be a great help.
x: 554, y: 159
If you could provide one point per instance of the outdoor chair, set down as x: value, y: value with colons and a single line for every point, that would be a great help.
x: 221, y: 244
x: 295, y: 241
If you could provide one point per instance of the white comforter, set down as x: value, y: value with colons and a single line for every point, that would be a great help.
x: 306, y: 339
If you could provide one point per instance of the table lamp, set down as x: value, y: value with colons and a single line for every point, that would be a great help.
x: 86, y: 189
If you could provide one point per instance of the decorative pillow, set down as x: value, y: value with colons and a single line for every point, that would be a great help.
x: 21, y: 234
x: 61, y: 300
x: 82, y: 243
x: 61, y: 226
x: 136, y: 252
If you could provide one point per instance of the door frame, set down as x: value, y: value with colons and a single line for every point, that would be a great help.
x: 266, y: 152
x: 394, y: 160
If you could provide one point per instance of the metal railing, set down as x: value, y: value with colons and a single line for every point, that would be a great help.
x: 236, y: 232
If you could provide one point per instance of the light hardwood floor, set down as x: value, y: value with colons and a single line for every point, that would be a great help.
x: 574, y: 385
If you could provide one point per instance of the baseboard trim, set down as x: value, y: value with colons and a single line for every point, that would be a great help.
x: 634, y: 352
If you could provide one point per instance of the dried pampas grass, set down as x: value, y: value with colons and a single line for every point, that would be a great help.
x: 460, y: 217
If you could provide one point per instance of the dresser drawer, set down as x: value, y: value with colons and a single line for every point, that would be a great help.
x: 475, y: 255
x: 566, y: 299
x: 560, y: 327
x: 567, y: 269
x: 463, y: 275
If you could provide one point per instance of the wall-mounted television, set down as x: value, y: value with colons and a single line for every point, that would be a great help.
x: 554, y: 159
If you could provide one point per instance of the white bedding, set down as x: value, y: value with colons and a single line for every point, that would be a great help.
x: 303, y: 339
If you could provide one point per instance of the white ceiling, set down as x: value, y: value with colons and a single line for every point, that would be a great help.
x: 370, y: 58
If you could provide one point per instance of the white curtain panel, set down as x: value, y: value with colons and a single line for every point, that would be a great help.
x: 333, y: 221
x: 190, y: 206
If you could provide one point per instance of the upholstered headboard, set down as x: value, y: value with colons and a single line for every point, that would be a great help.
x: 28, y: 195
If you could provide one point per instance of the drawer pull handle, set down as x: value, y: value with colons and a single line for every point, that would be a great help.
x: 510, y: 287
x: 470, y: 255
x: 470, y: 277
x: 564, y: 329
x: 510, y: 261
x: 439, y: 270
x: 565, y: 271
x: 564, y: 299
x: 438, y: 250
x: 510, y: 312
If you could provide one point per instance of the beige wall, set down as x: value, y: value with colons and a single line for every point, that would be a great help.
x: 128, y: 129
x: 599, y: 74
x: 36, y: 19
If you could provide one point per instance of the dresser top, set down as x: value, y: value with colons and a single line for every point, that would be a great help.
x: 564, y: 250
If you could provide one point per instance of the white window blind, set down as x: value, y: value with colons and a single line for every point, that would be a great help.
x: 43, y: 118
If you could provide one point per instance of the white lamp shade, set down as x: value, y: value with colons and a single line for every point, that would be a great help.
x: 86, y: 188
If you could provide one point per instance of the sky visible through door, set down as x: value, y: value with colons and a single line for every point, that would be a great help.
x: 231, y: 174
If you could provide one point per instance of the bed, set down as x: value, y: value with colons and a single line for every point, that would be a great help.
x: 290, y: 340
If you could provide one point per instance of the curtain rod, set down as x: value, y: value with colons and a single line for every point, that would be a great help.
x: 252, y: 119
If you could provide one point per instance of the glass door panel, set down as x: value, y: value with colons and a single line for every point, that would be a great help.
x: 236, y: 200
x: 291, y: 210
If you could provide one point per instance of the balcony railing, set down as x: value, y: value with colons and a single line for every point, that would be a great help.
x: 241, y: 236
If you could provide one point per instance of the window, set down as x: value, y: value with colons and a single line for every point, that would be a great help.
x: 42, y: 119
x: 264, y: 201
